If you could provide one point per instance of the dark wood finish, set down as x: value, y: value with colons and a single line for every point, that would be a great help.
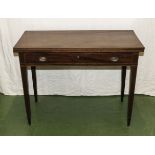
x: 79, y: 58
x: 123, y: 77
x: 33, y: 70
x: 133, y: 73
x: 80, y: 40
x: 26, y: 92
x: 79, y: 47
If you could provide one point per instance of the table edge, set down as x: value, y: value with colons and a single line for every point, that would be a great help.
x: 20, y: 50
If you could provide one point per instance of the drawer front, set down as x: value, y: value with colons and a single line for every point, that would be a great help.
x: 79, y: 58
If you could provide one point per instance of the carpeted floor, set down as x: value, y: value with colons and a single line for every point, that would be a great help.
x: 61, y: 115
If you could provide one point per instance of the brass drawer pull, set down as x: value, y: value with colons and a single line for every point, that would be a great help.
x: 114, y: 59
x: 42, y: 59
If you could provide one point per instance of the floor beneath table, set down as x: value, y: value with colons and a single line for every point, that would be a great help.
x: 61, y: 115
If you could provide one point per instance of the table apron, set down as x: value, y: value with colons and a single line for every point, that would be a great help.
x: 78, y: 59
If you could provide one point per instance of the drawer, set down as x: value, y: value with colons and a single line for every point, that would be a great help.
x: 80, y: 58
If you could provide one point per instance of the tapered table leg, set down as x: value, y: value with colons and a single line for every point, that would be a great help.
x: 123, y: 77
x: 133, y: 72
x: 26, y: 92
x: 33, y: 69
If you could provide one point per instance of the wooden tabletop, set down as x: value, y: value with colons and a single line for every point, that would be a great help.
x: 107, y: 40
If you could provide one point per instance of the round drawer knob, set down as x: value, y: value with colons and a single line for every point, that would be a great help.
x: 114, y: 59
x: 42, y: 59
x: 78, y: 57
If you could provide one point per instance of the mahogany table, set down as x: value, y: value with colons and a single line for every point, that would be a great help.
x: 79, y: 48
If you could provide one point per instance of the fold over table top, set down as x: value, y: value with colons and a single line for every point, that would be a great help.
x: 79, y: 40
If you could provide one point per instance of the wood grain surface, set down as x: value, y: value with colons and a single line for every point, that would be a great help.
x: 80, y: 40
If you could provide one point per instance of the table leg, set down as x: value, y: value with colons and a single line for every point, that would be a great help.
x: 123, y: 77
x: 133, y: 72
x: 26, y: 92
x: 33, y: 69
